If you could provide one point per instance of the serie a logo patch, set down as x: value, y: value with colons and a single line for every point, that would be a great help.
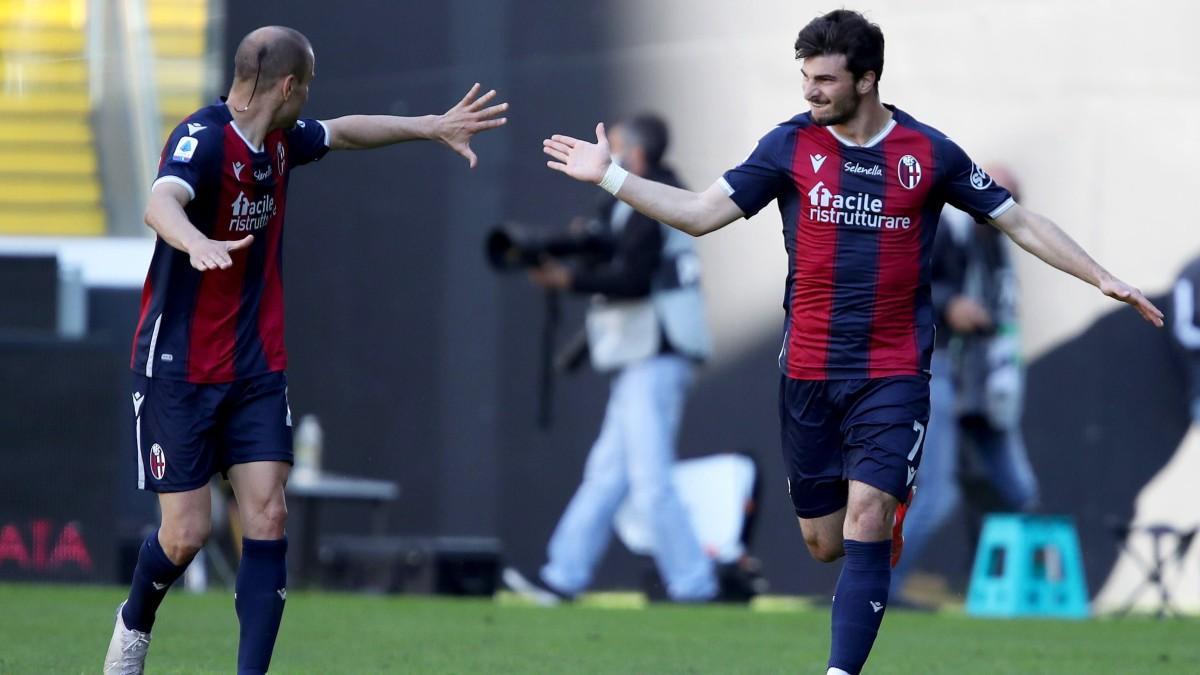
x: 184, y: 149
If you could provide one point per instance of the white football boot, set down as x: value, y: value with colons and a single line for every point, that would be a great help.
x: 127, y: 649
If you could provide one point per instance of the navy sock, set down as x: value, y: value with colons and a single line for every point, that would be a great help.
x: 152, y: 578
x: 859, y: 602
x: 261, y: 592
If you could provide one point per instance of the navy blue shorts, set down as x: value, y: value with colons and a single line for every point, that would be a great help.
x: 834, y: 431
x: 186, y: 432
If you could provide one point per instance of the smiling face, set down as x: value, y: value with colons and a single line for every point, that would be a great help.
x: 831, y: 90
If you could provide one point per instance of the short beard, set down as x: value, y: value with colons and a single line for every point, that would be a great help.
x: 841, y: 116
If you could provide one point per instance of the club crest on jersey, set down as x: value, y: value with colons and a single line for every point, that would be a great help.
x: 185, y: 149
x: 158, y: 462
x: 980, y: 180
x: 908, y: 170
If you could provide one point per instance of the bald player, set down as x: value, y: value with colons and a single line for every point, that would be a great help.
x: 210, y: 390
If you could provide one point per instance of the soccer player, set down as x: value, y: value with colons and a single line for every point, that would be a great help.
x: 210, y: 393
x: 860, y: 186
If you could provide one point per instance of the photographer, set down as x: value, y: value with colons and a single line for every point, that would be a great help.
x: 647, y: 325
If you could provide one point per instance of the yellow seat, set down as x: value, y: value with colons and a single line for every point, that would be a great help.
x: 65, y: 103
x: 59, y: 13
x: 49, y: 180
x: 53, y: 40
x: 176, y: 16
x: 42, y: 131
x: 30, y: 73
x: 44, y: 221
x: 178, y: 43
x: 28, y: 190
x: 62, y: 162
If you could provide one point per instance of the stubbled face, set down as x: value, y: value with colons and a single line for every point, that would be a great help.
x: 830, y: 89
x: 294, y: 95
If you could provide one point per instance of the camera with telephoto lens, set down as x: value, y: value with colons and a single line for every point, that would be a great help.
x: 512, y: 246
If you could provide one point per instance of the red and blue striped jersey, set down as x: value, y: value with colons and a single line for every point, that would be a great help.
x: 223, y: 325
x: 858, y: 224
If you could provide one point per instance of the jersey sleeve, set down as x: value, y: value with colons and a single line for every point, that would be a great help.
x: 761, y: 178
x: 308, y: 141
x: 191, y: 159
x: 967, y: 186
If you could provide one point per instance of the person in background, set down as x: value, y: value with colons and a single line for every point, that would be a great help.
x: 973, y: 443
x: 646, y: 324
x: 1186, y: 328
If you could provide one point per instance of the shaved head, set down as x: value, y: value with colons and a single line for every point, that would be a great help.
x: 271, y: 53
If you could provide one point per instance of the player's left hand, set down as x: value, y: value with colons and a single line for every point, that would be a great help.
x: 551, y: 275
x: 469, y: 117
x: 1119, y: 290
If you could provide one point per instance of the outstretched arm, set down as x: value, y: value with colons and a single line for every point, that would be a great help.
x: 455, y: 127
x: 695, y: 213
x: 1040, y: 236
x: 165, y: 215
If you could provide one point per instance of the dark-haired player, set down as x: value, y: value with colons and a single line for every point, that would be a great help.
x: 210, y: 393
x: 860, y: 186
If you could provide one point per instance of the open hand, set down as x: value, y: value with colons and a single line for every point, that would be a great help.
x: 579, y: 159
x: 1119, y: 290
x: 551, y: 275
x: 210, y: 254
x: 459, y: 124
x: 965, y: 315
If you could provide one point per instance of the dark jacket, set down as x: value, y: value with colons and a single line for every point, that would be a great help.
x: 637, y: 252
x: 977, y: 266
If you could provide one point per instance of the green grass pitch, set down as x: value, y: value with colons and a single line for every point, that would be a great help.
x: 65, y: 630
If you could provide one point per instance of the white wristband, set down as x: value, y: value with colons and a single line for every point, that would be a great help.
x: 614, y: 178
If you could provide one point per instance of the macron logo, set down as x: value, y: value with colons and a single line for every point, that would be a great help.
x: 912, y: 473
x: 817, y: 161
x: 820, y: 195
x: 193, y: 129
x: 877, y: 606
x: 282, y: 594
x: 237, y: 169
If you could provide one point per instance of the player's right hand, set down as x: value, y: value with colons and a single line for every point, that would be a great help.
x: 209, y: 254
x: 579, y: 159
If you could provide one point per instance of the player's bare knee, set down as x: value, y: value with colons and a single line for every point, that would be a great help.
x: 822, y: 546
x: 824, y: 549
x: 869, y: 520
x: 181, y: 541
x: 268, y: 521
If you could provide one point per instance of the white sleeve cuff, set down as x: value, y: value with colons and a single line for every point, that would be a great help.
x: 999, y: 210
x: 177, y: 180
x: 326, y: 133
x: 725, y: 186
